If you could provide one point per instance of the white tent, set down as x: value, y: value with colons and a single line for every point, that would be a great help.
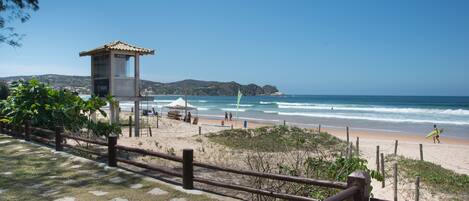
x: 180, y: 104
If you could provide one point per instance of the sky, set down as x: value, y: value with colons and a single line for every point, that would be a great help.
x: 302, y: 47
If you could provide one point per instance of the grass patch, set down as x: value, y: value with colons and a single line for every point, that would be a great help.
x: 295, y: 152
x: 435, y: 177
x: 276, y: 139
x: 31, y: 172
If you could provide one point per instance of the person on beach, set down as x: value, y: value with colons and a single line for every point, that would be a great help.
x: 437, y: 136
x: 231, y: 116
x: 226, y: 116
x: 189, y: 115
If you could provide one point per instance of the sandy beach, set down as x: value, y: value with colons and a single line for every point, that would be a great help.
x: 173, y: 136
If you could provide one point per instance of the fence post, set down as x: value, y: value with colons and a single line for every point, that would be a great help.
x: 157, y: 121
x: 200, y: 130
x: 348, y: 137
x: 395, y: 147
x: 284, y: 123
x: 149, y: 130
x: 27, y: 130
x: 319, y: 130
x: 421, y: 152
x: 395, y: 181
x: 358, y: 146
x: 187, y: 169
x: 111, y: 150
x: 58, y: 139
x: 350, y: 151
x: 362, y: 180
x: 382, y: 170
x: 377, y: 158
x: 130, y: 126
x: 417, y: 188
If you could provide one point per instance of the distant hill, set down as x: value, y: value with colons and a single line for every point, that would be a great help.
x: 82, y: 84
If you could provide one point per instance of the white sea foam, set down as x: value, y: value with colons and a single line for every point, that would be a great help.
x: 241, y: 105
x: 270, y: 112
x: 258, y: 119
x: 266, y: 103
x: 309, y: 106
x: 211, y: 115
x: 233, y: 109
x: 203, y: 108
x: 202, y: 101
x: 373, y: 118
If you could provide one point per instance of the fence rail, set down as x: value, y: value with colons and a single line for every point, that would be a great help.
x: 357, y: 187
x: 97, y: 142
x: 303, y: 180
x: 150, y: 153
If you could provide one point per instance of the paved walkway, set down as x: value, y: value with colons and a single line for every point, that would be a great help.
x: 32, y: 172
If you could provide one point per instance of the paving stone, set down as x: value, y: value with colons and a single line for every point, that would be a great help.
x: 70, y: 181
x: 76, y: 166
x: 116, y: 180
x: 98, y: 193
x: 50, y: 192
x: 119, y: 199
x: 178, y: 199
x: 65, y: 199
x: 136, y: 186
x: 64, y: 164
x: 23, y: 150
x: 85, y: 171
x: 37, y: 185
x: 157, y: 191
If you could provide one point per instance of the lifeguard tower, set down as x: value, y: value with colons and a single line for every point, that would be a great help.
x: 112, y: 74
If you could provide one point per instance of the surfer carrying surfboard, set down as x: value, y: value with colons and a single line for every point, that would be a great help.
x: 437, y: 134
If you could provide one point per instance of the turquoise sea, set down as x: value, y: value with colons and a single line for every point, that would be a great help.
x: 400, y: 114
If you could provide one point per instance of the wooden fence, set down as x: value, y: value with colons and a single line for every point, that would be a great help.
x: 357, y: 187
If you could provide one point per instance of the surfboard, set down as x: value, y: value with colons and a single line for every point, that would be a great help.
x: 435, y: 132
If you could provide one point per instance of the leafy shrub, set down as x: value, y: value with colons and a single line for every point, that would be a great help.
x: 46, y: 107
x: 4, y: 91
x: 295, y: 152
x: 434, y: 176
x: 277, y: 139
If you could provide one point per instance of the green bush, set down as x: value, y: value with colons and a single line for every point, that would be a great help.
x: 295, y: 152
x: 48, y: 108
x: 4, y: 90
x: 277, y: 139
x: 437, y: 178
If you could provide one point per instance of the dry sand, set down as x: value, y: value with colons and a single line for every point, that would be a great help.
x: 451, y: 153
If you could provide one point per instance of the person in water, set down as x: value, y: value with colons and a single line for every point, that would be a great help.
x: 437, y: 136
x: 226, y: 116
x: 231, y: 116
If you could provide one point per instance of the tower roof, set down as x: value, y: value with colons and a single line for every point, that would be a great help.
x: 121, y: 46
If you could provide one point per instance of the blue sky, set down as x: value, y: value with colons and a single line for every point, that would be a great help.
x: 302, y: 47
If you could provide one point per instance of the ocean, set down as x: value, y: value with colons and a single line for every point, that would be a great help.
x: 399, y: 114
